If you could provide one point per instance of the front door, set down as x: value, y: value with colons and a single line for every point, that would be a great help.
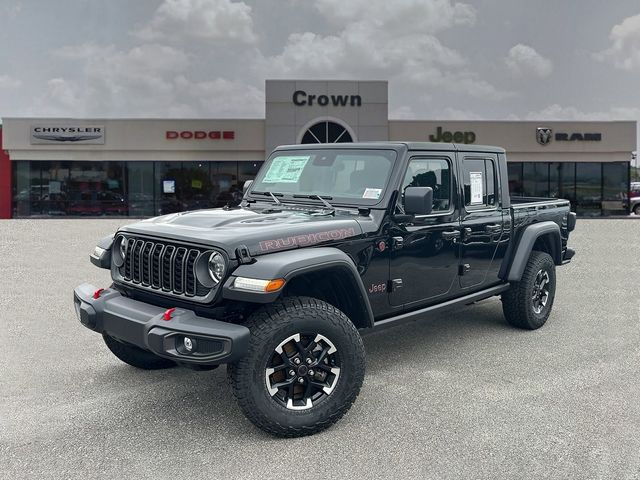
x: 424, y: 259
x: 481, y: 220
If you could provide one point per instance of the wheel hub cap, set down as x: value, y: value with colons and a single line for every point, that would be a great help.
x: 540, y: 295
x: 302, y: 371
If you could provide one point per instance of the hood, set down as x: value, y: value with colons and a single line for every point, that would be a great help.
x: 260, y: 230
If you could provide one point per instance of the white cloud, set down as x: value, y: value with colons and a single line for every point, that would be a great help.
x: 146, y: 80
x: 11, y: 10
x: 222, y: 97
x: 625, y: 45
x: 456, y: 114
x: 400, y: 15
x: 404, y: 112
x: 6, y: 81
x: 214, y: 21
x: 387, y: 40
x: 524, y: 60
x: 559, y: 112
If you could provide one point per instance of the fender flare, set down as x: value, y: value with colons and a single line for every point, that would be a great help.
x: 291, y: 264
x: 525, y: 244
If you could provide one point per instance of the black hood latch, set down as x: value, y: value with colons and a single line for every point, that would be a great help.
x: 243, y: 255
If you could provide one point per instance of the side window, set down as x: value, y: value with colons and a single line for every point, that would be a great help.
x: 479, y: 177
x: 434, y: 173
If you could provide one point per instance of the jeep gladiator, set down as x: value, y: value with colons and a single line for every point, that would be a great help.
x: 328, y: 240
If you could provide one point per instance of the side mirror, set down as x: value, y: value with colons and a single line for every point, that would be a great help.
x: 246, y: 186
x: 418, y: 200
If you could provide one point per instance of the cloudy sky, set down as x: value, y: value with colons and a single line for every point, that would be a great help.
x: 474, y: 59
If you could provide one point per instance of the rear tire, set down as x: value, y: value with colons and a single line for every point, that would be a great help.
x: 134, y: 356
x: 636, y: 209
x: 303, y: 370
x: 527, y: 304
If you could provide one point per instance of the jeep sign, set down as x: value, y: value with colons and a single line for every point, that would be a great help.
x: 452, y: 137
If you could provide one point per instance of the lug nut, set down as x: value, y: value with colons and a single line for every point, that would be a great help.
x: 301, y: 380
x: 292, y: 372
x: 309, y: 361
x: 311, y: 373
x: 296, y: 361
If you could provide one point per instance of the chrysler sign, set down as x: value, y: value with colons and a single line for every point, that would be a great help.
x: 67, y: 134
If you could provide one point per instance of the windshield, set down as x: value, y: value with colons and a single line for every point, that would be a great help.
x: 353, y: 176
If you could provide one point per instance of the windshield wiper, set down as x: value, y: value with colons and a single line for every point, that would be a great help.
x: 318, y: 197
x: 272, y: 195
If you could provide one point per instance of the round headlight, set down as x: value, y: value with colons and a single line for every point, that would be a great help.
x: 123, y: 248
x: 217, y: 267
x: 120, y: 254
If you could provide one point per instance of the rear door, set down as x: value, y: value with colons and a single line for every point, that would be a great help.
x: 424, y: 261
x: 481, y: 220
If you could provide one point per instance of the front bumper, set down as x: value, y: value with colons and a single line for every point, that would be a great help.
x: 214, y: 342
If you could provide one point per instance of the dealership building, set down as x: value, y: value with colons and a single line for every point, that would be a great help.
x: 143, y: 167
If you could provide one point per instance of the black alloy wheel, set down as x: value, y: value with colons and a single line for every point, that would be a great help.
x: 303, y: 371
x: 540, y: 295
x: 528, y: 303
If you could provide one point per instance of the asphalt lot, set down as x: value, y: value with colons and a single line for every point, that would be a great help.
x: 459, y: 395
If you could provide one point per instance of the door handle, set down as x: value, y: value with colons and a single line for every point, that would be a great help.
x: 450, y: 235
x: 495, y: 228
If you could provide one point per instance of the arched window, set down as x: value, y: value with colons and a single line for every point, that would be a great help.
x: 326, y: 132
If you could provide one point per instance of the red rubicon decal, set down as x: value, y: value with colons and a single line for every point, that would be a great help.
x: 306, y: 239
x: 382, y: 246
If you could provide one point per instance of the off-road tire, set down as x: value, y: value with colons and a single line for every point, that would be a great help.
x: 134, y: 356
x: 273, y: 324
x: 517, y: 302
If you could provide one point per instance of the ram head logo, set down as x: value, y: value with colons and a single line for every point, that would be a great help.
x: 543, y: 135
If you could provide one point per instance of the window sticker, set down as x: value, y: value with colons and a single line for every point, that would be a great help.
x: 168, y: 186
x: 373, y: 193
x: 477, y: 187
x: 286, y: 169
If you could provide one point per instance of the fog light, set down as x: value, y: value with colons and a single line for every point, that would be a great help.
x: 188, y: 344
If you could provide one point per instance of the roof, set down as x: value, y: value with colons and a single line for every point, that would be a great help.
x: 421, y: 146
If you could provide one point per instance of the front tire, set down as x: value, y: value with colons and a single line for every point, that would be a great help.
x: 527, y: 304
x: 134, y: 356
x: 303, y: 370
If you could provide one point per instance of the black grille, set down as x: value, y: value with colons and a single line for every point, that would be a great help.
x: 163, y: 267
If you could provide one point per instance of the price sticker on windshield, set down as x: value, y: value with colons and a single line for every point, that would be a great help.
x: 373, y: 193
x: 286, y: 169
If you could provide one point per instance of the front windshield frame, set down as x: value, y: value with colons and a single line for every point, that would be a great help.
x: 336, y: 198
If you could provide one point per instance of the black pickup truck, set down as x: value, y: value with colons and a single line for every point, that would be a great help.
x: 328, y: 240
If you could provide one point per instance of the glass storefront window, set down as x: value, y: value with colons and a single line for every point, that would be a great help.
x: 588, y: 188
x: 515, y: 179
x: 535, y: 179
x: 140, y: 188
x: 562, y: 180
x: 22, y: 193
x: 195, y: 185
x: 615, y: 184
x: 224, y: 178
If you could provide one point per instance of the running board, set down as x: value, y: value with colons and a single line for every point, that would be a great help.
x: 466, y: 300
